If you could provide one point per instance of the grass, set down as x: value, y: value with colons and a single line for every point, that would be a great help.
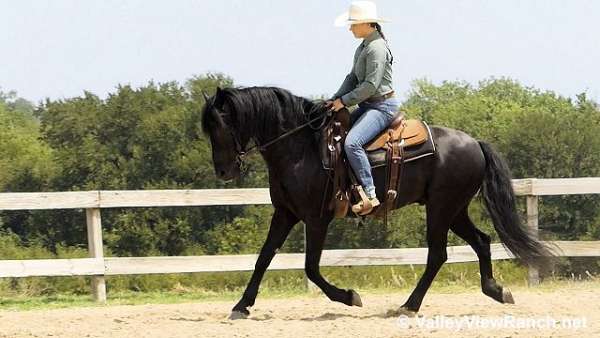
x: 23, y: 303
x: 38, y: 292
x: 35, y: 293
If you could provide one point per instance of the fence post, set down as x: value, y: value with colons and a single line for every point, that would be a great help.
x: 533, y: 276
x: 94, y: 232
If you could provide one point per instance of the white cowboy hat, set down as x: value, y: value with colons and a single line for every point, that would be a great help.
x: 360, y: 12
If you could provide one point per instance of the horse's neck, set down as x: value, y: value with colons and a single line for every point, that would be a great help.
x: 296, y: 153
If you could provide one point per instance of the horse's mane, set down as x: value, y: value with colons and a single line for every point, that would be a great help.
x: 260, y: 111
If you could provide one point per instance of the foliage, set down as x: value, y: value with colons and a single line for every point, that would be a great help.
x: 25, y: 161
x: 540, y: 134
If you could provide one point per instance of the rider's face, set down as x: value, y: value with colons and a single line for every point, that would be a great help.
x: 361, y: 30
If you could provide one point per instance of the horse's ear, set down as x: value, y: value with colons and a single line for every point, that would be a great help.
x: 206, y: 98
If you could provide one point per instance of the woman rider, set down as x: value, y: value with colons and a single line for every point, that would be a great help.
x: 369, y: 84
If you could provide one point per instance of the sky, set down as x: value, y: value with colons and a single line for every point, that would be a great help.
x: 59, y: 48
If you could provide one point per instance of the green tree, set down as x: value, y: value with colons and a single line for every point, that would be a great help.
x: 541, y: 134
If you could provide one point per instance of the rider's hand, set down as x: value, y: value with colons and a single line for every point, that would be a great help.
x: 337, y: 105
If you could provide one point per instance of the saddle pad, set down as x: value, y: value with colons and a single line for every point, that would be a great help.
x: 411, y: 152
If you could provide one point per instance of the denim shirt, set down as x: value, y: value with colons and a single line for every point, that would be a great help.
x: 371, y: 73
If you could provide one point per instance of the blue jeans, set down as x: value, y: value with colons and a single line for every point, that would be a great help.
x: 369, y: 119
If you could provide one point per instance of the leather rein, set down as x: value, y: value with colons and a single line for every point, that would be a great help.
x: 241, y: 152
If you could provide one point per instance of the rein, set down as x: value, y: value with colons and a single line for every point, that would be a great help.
x: 241, y: 153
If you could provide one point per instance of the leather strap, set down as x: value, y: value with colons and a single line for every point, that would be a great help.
x: 338, y: 173
x: 395, y: 161
x: 336, y: 135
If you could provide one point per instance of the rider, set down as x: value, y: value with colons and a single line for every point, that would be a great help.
x: 369, y: 84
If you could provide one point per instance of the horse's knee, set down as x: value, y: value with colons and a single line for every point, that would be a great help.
x: 262, y: 263
x: 443, y: 258
x: 437, y: 259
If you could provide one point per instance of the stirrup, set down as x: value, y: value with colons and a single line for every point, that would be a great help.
x: 363, y: 208
x: 366, y: 204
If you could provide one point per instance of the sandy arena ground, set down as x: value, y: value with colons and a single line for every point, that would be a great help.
x: 315, y: 316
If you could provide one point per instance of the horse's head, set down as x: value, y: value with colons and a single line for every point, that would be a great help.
x: 226, y: 147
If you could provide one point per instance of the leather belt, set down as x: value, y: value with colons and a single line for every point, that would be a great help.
x: 380, y: 98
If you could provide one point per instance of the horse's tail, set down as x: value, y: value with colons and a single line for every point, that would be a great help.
x: 499, y: 198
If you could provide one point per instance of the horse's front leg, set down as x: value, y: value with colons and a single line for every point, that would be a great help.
x: 315, y: 238
x: 281, y: 224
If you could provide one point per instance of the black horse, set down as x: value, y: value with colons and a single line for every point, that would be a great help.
x: 444, y: 183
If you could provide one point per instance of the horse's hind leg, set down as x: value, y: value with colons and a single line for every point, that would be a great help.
x: 315, y: 238
x: 281, y: 224
x: 480, y: 242
x: 437, y: 238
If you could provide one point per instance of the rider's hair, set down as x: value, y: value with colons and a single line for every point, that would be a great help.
x: 378, y: 28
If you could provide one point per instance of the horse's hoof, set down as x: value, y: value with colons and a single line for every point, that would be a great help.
x: 507, y: 297
x: 238, y: 315
x: 355, y: 298
x: 402, y: 311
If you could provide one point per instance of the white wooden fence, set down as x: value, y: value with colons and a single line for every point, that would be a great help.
x: 99, y: 266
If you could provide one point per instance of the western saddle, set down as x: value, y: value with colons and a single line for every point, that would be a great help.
x: 400, y: 134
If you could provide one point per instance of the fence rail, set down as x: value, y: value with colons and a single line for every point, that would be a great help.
x: 99, y: 266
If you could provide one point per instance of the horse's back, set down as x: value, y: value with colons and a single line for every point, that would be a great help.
x: 457, y: 166
x: 457, y: 149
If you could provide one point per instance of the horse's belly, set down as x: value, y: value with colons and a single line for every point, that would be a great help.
x: 412, y: 182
